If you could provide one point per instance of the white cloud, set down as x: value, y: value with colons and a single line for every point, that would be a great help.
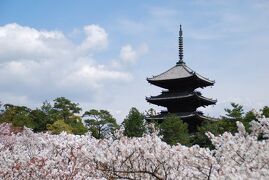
x: 127, y: 54
x: 90, y: 76
x: 24, y: 42
x: 96, y: 38
x: 130, y: 55
x: 39, y: 64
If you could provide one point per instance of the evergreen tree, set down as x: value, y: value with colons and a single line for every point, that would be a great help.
x: 174, y: 130
x: 46, y: 116
x: 249, y: 116
x: 134, y: 125
x: 49, y: 111
x: 265, y: 111
x: 215, y: 127
x: 64, y: 109
x: 226, y: 124
x: 40, y: 120
x: 236, y: 113
x: 19, y: 116
x: 100, y: 123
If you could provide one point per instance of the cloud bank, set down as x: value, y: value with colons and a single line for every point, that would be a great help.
x: 44, y: 64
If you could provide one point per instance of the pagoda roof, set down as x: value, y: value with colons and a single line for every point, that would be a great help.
x: 179, y: 95
x: 179, y: 71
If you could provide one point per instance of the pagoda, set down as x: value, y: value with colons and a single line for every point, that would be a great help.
x: 180, y: 96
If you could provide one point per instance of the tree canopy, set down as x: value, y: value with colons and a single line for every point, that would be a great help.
x: 65, y: 109
x: 265, y: 111
x: 174, y: 130
x: 100, y: 122
x: 134, y: 124
x: 46, y: 116
x: 64, y: 115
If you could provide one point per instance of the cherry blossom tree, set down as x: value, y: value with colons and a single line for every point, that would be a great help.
x: 28, y: 155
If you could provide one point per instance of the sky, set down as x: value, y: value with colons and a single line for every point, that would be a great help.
x: 99, y: 53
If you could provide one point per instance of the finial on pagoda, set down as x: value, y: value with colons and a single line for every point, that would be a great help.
x: 180, y: 46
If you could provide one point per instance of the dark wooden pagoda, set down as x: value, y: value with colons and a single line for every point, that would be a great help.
x: 181, y: 96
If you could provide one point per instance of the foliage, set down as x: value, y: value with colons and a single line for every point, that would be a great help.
x: 174, y: 130
x: 29, y: 155
x: 134, y: 125
x: 17, y: 115
x: 249, y: 116
x: 1, y: 108
x: 45, y: 116
x: 200, y: 137
x: 50, y: 113
x: 78, y: 127
x: 236, y: 112
x: 59, y: 126
x: 101, y: 123
x: 232, y: 115
x: 39, y: 119
x: 65, y: 108
x: 225, y: 124
x: 265, y: 111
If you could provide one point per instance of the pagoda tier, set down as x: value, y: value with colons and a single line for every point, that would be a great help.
x: 180, y: 101
x: 180, y: 77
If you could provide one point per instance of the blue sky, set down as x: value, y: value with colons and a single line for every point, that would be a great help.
x: 99, y: 53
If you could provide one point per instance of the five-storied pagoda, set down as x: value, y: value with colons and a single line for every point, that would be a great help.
x: 181, y: 96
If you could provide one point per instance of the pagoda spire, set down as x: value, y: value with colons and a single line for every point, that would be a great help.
x: 180, y: 46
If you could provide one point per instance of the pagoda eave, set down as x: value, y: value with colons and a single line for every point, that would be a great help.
x: 183, y: 116
x: 162, y: 100
x: 192, y: 81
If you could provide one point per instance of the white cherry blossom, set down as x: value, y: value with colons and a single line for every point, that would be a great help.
x: 28, y: 155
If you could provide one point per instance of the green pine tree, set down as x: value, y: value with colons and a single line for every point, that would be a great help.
x: 134, y: 125
x: 101, y: 123
x: 174, y: 130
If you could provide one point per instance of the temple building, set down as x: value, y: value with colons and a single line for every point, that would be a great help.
x: 180, y: 95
